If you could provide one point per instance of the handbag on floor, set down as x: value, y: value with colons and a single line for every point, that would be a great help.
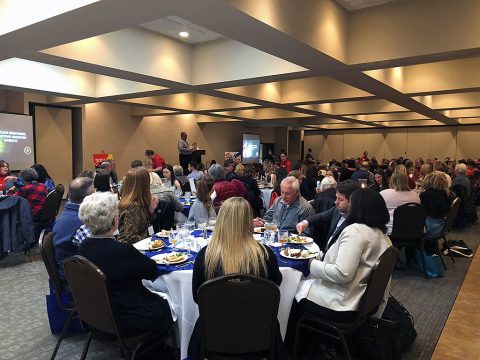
x: 364, y: 346
x: 431, y: 265
x: 458, y: 248
x: 395, y: 311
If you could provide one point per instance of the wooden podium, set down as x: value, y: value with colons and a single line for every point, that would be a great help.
x: 197, y: 156
x: 194, y: 156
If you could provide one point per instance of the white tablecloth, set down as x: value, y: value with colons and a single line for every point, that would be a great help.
x: 178, y: 285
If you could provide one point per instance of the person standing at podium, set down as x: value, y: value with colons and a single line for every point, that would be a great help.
x: 185, y: 151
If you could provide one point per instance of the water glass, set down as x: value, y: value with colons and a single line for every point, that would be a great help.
x: 178, y: 193
x: 212, y: 222
x: 269, y: 237
x: 189, y: 243
x: 188, y: 194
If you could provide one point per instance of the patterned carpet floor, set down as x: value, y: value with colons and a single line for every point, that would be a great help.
x: 25, y: 333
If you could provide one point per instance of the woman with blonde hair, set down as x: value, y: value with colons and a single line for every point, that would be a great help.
x: 398, y: 194
x: 232, y: 250
x: 240, y: 170
x: 425, y: 169
x: 136, y: 207
x: 435, y: 198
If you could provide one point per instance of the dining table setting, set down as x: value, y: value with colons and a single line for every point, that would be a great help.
x: 175, y: 252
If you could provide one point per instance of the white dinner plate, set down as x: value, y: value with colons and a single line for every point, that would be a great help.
x: 259, y: 229
x: 163, y: 233
x: 146, y: 245
x: 179, y: 258
x: 295, y: 239
x: 306, y: 254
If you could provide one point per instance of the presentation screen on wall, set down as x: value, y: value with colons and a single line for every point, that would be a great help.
x: 16, y: 140
x: 251, y: 148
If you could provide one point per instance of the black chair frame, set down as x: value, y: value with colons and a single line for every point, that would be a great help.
x: 47, y: 253
x: 371, y: 300
x: 452, y: 214
x: 77, y: 269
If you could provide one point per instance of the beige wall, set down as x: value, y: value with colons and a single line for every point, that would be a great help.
x: 109, y: 127
x: 53, y: 142
x: 427, y: 142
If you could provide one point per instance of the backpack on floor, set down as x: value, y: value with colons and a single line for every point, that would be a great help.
x: 396, y: 312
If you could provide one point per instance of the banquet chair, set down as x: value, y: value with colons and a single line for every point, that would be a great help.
x: 50, y: 209
x: 164, y: 215
x: 371, y: 300
x: 452, y: 214
x: 60, y: 189
x: 409, y: 226
x: 47, y: 252
x: 238, y: 317
x: 88, y: 285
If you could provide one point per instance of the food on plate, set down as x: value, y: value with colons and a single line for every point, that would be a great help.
x: 163, y: 233
x: 296, y: 253
x: 259, y: 230
x: 174, y: 257
x: 298, y: 239
x: 156, y: 244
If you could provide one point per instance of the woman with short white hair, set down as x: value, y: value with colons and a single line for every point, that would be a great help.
x: 136, y: 309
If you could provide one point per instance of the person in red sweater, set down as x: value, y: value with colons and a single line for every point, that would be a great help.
x: 158, y: 162
x: 284, y: 162
x: 35, y: 192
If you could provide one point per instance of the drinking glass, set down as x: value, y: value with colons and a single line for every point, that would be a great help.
x: 202, y: 222
x: 190, y: 225
x: 268, y: 237
x: 173, y: 238
x: 188, y: 194
x: 178, y: 193
x: 212, y: 222
x: 183, y: 232
x: 188, y: 242
x: 282, y: 237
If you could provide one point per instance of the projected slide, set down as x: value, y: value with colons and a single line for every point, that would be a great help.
x: 251, y: 148
x: 16, y: 140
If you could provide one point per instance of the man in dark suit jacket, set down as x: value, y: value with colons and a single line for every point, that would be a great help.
x: 334, y: 217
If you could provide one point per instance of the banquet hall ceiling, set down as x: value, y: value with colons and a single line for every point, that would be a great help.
x: 307, y: 64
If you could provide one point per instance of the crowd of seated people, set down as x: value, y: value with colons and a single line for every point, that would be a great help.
x: 350, y: 224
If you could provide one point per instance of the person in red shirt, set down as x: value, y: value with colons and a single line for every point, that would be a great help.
x: 35, y: 192
x: 5, y: 175
x: 158, y: 163
x: 284, y: 162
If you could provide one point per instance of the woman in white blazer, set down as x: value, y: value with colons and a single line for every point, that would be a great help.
x: 341, y: 277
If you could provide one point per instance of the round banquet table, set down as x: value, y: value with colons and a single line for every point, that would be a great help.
x: 175, y: 284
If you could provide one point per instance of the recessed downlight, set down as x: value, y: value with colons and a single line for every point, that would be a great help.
x: 184, y: 34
